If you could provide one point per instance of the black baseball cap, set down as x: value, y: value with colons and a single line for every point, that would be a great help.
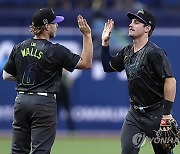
x: 45, y: 16
x: 143, y: 16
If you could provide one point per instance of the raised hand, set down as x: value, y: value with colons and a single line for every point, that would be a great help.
x: 108, y: 27
x: 83, y: 25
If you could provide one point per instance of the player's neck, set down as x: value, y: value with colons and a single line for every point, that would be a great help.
x: 139, y: 43
x: 41, y: 36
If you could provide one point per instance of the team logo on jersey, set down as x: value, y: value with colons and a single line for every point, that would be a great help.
x: 33, y: 44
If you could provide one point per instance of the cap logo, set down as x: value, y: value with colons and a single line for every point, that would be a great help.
x: 45, y: 21
x: 140, y: 11
x: 52, y: 11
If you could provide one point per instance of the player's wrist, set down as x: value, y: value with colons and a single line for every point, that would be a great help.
x: 105, y: 42
x: 87, y: 34
x: 167, y: 107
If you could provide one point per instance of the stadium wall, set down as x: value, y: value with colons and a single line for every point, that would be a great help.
x: 99, y: 100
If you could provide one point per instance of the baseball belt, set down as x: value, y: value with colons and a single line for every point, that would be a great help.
x: 38, y: 93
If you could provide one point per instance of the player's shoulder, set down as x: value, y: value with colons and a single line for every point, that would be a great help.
x: 59, y: 47
x: 21, y: 43
x: 127, y: 49
x: 153, y: 45
x: 154, y: 48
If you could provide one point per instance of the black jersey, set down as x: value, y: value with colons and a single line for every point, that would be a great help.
x: 146, y: 71
x: 37, y: 65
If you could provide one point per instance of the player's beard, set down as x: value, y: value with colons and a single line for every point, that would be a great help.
x: 52, y: 35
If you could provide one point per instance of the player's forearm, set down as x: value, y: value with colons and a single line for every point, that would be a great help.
x: 170, y: 89
x: 106, y: 58
x: 87, y: 51
x: 169, y: 95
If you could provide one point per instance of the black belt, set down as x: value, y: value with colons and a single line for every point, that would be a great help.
x: 146, y: 109
x: 39, y: 93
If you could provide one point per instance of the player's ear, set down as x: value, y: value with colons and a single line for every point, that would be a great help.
x: 46, y: 26
x: 147, y: 28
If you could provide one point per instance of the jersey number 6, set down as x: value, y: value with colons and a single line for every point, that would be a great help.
x: 29, y: 75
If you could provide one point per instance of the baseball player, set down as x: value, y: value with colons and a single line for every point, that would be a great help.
x: 36, y: 64
x: 151, y: 84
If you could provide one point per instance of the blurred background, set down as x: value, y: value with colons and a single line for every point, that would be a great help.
x: 97, y: 101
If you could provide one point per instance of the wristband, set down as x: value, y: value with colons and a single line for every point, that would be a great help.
x: 167, y: 107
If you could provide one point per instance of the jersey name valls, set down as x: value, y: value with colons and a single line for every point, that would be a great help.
x: 32, y: 52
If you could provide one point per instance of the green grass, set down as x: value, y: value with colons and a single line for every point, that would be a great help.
x: 83, y: 145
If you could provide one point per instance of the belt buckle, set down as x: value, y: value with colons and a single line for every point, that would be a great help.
x: 141, y: 109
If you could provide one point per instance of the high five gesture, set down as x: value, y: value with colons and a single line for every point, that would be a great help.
x: 108, y: 28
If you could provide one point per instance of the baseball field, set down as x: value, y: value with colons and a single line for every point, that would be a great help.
x: 84, y: 145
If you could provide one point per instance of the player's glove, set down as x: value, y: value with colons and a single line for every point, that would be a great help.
x: 168, y: 133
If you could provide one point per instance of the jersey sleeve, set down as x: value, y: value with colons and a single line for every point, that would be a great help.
x: 65, y: 58
x: 117, y: 62
x: 10, y: 66
x: 161, y: 64
x: 106, y: 58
